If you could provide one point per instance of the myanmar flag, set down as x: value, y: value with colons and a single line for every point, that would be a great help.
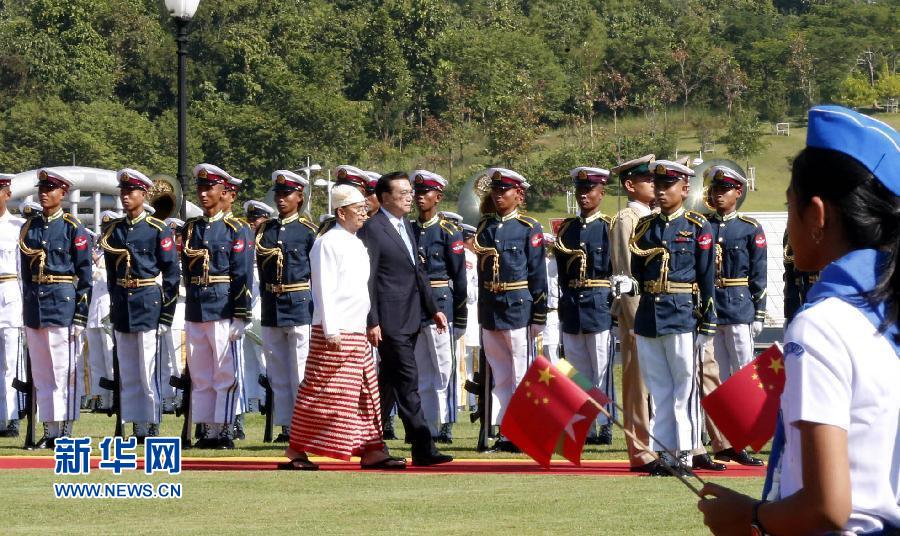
x: 745, y: 406
x: 551, y: 412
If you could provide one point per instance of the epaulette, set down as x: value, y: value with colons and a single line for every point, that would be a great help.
x: 71, y: 219
x: 607, y: 219
x: 192, y: 220
x: 749, y: 220
x: 236, y: 224
x: 311, y: 225
x: 158, y: 224
x: 694, y: 217
x: 449, y: 226
x: 326, y: 226
x: 527, y: 220
x: 642, y: 225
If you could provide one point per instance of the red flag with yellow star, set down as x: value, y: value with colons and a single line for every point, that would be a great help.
x: 745, y: 406
x: 549, y: 410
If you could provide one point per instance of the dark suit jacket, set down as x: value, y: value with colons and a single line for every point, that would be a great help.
x: 399, y: 291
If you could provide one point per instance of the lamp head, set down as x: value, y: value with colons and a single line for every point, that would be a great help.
x: 182, y: 9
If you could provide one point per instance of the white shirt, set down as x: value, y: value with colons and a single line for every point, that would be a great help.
x: 340, y: 282
x: 472, y: 332
x: 10, y: 291
x: 552, y: 283
x: 841, y: 372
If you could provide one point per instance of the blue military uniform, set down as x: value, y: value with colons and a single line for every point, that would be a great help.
x: 283, y: 248
x: 740, y: 279
x: 512, y: 300
x: 440, y: 247
x: 217, y: 310
x: 796, y: 283
x: 136, y: 252
x: 672, y: 261
x: 56, y: 291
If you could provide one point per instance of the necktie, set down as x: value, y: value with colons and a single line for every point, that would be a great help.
x: 405, y: 237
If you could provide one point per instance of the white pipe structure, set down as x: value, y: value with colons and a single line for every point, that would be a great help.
x: 95, y: 185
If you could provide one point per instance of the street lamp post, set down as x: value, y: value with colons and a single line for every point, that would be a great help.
x: 182, y: 11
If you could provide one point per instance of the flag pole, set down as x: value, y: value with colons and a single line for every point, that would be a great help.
x: 642, y: 446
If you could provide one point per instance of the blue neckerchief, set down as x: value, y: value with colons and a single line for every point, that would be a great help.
x: 847, y: 279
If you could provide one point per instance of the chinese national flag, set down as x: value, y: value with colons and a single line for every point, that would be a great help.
x: 548, y: 410
x: 745, y: 406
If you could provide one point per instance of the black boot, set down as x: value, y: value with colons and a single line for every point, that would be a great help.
x: 239, y: 427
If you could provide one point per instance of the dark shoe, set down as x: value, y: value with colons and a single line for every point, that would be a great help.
x: 432, y: 459
x: 9, y: 432
x: 605, y: 436
x: 225, y: 443
x: 389, y: 463
x: 140, y: 439
x: 657, y: 468
x: 298, y: 464
x: 282, y: 438
x: 388, y: 434
x: 593, y: 440
x: 207, y: 443
x: 45, y: 443
x: 703, y: 461
x: 239, y: 434
x: 643, y: 468
x: 505, y: 445
x: 153, y: 430
x: 730, y: 455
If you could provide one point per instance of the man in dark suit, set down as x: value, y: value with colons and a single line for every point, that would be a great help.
x: 401, y: 297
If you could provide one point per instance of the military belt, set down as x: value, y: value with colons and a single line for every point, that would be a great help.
x: 589, y: 283
x: 287, y: 287
x: 723, y: 282
x: 671, y: 287
x: 504, y: 287
x: 210, y: 280
x: 53, y: 279
x: 8, y: 277
x: 135, y: 283
x: 440, y: 284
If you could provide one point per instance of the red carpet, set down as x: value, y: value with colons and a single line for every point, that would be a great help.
x: 505, y: 466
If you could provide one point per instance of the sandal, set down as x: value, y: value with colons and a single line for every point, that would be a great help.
x: 389, y: 463
x: 298, y: 464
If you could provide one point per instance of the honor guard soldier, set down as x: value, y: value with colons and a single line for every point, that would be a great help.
x: 673, y: 264
x: 796, y: 283
x: 137, y: 250
x: 636, y: 181
x: 512, y: 303
x: 740, y: 256
x: 550, y: 338
x: 215, y: 266
x: 583, y: 262
x: 99, y: 329
x: 56, y: 289
x: 172, y: 341
x: 283, y: 247
x: 258, y: 214
x: 440, y: 246
x: 11, y: 358
x: 371, y: 199
x: 472, y: 339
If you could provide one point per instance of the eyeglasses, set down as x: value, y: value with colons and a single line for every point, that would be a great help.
x: 359, y: 209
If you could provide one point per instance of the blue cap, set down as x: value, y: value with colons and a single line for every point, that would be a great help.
x: 872, y: 143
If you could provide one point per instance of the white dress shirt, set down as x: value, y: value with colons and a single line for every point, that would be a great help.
x: 399, y: 225
x: 10, y: 291
x: 339, y: 263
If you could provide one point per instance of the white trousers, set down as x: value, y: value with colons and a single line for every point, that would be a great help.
x: 171, y: 350
x: 589, y: 354
x: 100, y: 362
x: 286, y: 350
x: 733, y: 347
x: 141, y: 376
x: 54, y: 363
x: 434, y: 363
x: 253, y: 365
x: 550, y: 337
x: 11, y: 365
x: 214, y: 365
x: 507, y: 354
x: 671, y: 373
x: 471, y: 353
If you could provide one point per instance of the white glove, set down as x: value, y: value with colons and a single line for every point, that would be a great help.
x: 237, y: 329
x: 536, y: 329
x: 756, y: 328
x: 163, y: 328
x: 77, y: 331
x: 701, y: 341
x: 621, y: 284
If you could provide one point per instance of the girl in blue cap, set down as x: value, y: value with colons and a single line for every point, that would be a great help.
x: 835, y: 464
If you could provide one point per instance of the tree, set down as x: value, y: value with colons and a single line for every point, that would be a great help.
x: 731, y: 80
x: 743, y: 138
x: 857, y: 93
x: 614, y: 93
x: 512, y: 124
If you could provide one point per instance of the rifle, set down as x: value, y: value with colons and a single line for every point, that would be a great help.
x: 27, y: 389
x: 183, y: 382
x: 115, y: 385
x: 267, y: 409
x: 482, y: 386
